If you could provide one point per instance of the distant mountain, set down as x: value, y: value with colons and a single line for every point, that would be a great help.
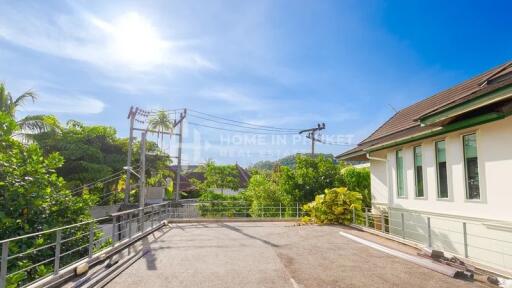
x: 288, y: 161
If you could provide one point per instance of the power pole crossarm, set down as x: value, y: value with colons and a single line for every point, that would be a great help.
x: 311, y: 135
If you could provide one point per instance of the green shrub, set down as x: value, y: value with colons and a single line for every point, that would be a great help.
x: 335, y: 206
x: 219, y: 205
x: 358, y: 180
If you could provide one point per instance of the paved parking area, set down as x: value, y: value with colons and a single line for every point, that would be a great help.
x: 271, y: 255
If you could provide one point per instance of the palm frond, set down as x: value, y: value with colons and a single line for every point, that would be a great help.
x: 20, y: 100
x: 34, y: 124
x: 6, y: 103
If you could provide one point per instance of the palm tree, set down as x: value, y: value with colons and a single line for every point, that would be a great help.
x: 28, y: 125
x: 161, y: 122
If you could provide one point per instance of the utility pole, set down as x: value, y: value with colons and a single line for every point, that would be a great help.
x: 142, y: 178
x: 311, y: 135
x: 127, y: 188
x: 178, y: 169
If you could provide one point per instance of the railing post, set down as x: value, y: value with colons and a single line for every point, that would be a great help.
x: 366, y: 216
x: 353, y: 215
x: 129, y: 225
x: 403, y: 224
x: 91, y: 239
x: 141, y: 219
x: 3, y: 268
x: 56, y: 263
x: 464, y: 231
x: 114, y: 230
x: 152, y: 216
x: 280, y: 213
x: 429, y: 233
x: 383, y: 222
x: 297, y: 210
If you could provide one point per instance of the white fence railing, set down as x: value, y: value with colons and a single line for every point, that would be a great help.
x: 30, y: 258
x: 489, y: 243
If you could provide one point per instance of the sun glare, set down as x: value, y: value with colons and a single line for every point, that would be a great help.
x: 136, y: 42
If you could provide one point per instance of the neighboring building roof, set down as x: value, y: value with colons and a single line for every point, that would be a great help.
x: 406, y: 121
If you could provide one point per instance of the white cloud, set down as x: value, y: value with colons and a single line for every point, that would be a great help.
x: 77, y: 104
x: 127, y: 43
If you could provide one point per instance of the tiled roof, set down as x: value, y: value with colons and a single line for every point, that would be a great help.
x: 407, y: 117
x: 405, y: 122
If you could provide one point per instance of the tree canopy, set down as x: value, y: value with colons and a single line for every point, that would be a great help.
x: 33, y: 196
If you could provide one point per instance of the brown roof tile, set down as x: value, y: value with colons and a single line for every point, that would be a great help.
x: 406, y: 118
x: 405, y: 122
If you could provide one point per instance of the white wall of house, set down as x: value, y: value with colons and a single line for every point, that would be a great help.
x: 488, y: 220
x: 494, y: 147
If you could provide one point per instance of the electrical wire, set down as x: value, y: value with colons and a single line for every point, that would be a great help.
x: 241, y: 126
x: 240, y: 131
x: 245, y: 123
x: 102, y: 180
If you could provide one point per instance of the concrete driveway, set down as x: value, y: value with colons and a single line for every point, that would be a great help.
x: 271, y: 255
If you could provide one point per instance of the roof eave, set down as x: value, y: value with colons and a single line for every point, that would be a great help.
x: 493, y: 96
x: 358, y: 155
x: 478, y: 120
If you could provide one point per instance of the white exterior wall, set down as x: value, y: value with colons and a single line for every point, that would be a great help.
x: 494, y: 148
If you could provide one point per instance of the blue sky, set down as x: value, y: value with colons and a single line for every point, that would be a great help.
x: 280, y: 63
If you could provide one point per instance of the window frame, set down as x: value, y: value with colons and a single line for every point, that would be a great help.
x: 416, y: 173
x: 398, y: 175
x: 438, y: 182
x: 466, y: 188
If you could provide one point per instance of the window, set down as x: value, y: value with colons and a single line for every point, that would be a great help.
x: 471, y: 167
x: 400, y: 173
x: 418, y: 172
x: 442, y: 177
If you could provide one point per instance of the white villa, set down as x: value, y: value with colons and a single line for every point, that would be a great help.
x: 443, y: 165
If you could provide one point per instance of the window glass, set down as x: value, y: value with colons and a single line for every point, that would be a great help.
x: 400, y: 173
x: 442, y: 177
x: 418, y: 171
x: 471, y: 166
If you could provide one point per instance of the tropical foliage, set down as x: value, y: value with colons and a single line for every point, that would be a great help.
x: 33, y: 198
x: 28, y: 125
x: 161, y: 123
x: 357, y: 179
x: 288, y: 161
x: 95, y: 152
x: 336, y: 205
x: 217, y: 177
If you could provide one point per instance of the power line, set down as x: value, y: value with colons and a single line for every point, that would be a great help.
x: 168, y: 111
x: 102, y: 180
x: 329, y: 143
x: 241, y: 126
x: 246, y: 123
x: 241, y: 131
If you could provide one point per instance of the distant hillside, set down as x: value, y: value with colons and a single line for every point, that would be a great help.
x: 288, y: 161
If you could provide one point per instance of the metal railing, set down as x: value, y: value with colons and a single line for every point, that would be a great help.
x: 236, y: 209
x: 29, y: 258
x: 472, y: 240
